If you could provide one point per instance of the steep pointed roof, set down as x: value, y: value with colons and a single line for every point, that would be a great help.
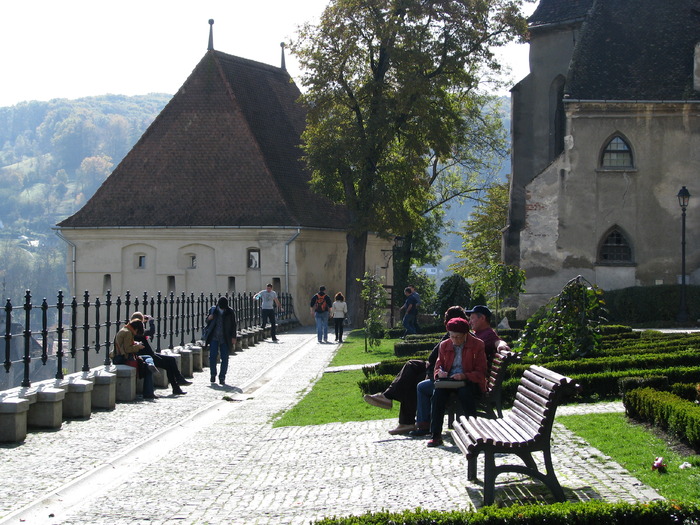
x: 557, y: 12
x: 223, y: 152
x: 636, y: 50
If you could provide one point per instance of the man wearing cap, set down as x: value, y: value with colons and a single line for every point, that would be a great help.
x: 480, y: 321
x: 460, y: 358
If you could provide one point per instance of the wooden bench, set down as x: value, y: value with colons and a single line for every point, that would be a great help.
x: 490, y: 403
x: 527, y: 428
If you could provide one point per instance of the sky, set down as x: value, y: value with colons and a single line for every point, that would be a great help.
x: 77, y: 48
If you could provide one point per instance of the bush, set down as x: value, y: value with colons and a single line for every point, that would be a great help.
x: 630, y: 383
x: 650, y: 305
x: 375, y: 384
x: 666, y: 411
x: 687, y: 391
x: 590, y: 512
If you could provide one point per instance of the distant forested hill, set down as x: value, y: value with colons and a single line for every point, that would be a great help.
x: 53, y: 157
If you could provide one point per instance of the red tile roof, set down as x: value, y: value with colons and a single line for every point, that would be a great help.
x: 223, y: 152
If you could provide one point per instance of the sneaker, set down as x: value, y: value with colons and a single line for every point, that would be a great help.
x: 274, y: 339
x: 419, y: 432
x: 212, y: 379
x: 222, y: 380
x: 435, y: 443
x: 379, y: 400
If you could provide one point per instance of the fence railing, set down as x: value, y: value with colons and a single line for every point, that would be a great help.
x: 42, y: 342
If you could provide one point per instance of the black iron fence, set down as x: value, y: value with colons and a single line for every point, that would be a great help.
x: 50, y: 340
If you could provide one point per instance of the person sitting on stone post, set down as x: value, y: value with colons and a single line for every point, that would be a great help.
x: 166, y: 362
x: 405, y: 387
x: 460, y: 358
x: 125, y: 353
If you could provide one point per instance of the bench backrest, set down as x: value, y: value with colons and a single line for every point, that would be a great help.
x: 539, y: 393
x: 499, y: 365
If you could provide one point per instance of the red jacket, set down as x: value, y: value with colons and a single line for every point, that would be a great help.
x: 473, y: 360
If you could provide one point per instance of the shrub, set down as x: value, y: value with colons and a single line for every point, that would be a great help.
x: 375, y: 384
x: 630, y: 383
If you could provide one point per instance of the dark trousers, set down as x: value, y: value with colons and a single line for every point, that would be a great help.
x: 403, y: 389
x: 269, y: 314
x: 338, y: 321
x: 468, y: 395
x: 164, y: 362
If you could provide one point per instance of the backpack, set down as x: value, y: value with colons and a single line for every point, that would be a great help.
x: 321, y: 303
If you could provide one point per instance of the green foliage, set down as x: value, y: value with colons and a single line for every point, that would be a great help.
x: 480, y: 256
x: 667, y: 411
x: 581, y: 513
x: 425, y: 286
x: 655, y: 306
x: 374, y: 298
x: 569, y: 325
x: 454, y: 291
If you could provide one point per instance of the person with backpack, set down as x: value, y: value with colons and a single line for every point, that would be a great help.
x: 320, y: 307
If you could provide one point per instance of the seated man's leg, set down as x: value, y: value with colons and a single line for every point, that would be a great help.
x: 437, y: 413
x: 468, y: 395
x: 424, y: 392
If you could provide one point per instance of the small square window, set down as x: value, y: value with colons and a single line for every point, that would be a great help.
x: 141, y: 261
x: 254, y: 259
x: 193, y: 261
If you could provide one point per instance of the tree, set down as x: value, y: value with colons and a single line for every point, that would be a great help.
x: 568, y: 327
x: 480, y: 257
x: 386, y: 84
x: 454, y: 291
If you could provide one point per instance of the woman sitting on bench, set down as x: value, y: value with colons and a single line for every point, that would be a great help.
x: 460, y: 358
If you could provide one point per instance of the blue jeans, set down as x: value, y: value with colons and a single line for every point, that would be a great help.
x: 321, y: 326
x: 213, y: 353
x: 269, y: 315
x: 409, y: 323
x: 424, y: 392
x: 467, y: 396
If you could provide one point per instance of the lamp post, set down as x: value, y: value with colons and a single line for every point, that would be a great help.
x: 683, y: 198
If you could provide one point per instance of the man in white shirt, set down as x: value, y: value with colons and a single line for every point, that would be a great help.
x: 269, y: 298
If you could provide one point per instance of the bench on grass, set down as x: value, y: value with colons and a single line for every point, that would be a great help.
x: 527, y: 428
x: 490, y: 403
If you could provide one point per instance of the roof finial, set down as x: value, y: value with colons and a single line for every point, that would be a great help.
x: 211, y: 35
x: 284, y: 67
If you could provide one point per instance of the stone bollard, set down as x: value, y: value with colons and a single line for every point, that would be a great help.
x: 160, y: 380
x: 126, y: 382
x: 104, y: 392
x: 13, y: 419
x: 196, y: 351
x: 185, y: 363
x: 78, y: 399
x: 47, y: 412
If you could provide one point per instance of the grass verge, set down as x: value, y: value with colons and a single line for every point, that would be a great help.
x: 635, y: 447
x: 336, y: 398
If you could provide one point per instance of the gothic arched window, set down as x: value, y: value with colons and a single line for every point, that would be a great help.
x: 617, y: 154
x: 615, y: 248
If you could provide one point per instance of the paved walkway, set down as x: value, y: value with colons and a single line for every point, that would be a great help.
x: 212, y: 456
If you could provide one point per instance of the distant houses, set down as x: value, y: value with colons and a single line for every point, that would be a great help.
x: 214, y: 197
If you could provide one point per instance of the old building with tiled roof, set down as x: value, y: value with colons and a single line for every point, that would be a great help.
x: 214, y: 197
x: 605, y: 132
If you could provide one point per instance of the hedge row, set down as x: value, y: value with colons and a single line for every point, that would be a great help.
x: 665, y: 410
x: 391, y: 366
x: 583, y: 513
x: 606, y: 384
x: 624, y: 362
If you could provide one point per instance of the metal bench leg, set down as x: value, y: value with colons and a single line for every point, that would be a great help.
x: 551, y: 478
x: 489, y: 477
x: 471, y: 467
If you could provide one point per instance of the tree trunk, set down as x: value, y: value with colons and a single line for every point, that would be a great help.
x: 354, y: 270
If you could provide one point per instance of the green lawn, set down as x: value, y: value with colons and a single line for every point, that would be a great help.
x: 336, y: 396
x: 635, y: 448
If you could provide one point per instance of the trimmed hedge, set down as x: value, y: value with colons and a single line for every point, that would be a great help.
x: 391, y: 366
x: 667, y: 411
x: 583, y: 513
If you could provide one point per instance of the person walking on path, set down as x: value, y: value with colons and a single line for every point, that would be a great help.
x: 221, y: 336
x: 269, y: 299
x: 410, y: 308
x: 339, y: 312
x: 320, y: 306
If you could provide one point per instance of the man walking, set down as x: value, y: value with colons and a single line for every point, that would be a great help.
x: 269, y: 299
x: 320, y: 307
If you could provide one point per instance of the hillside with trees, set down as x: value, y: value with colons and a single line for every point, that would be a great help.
x: 53, y: 156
